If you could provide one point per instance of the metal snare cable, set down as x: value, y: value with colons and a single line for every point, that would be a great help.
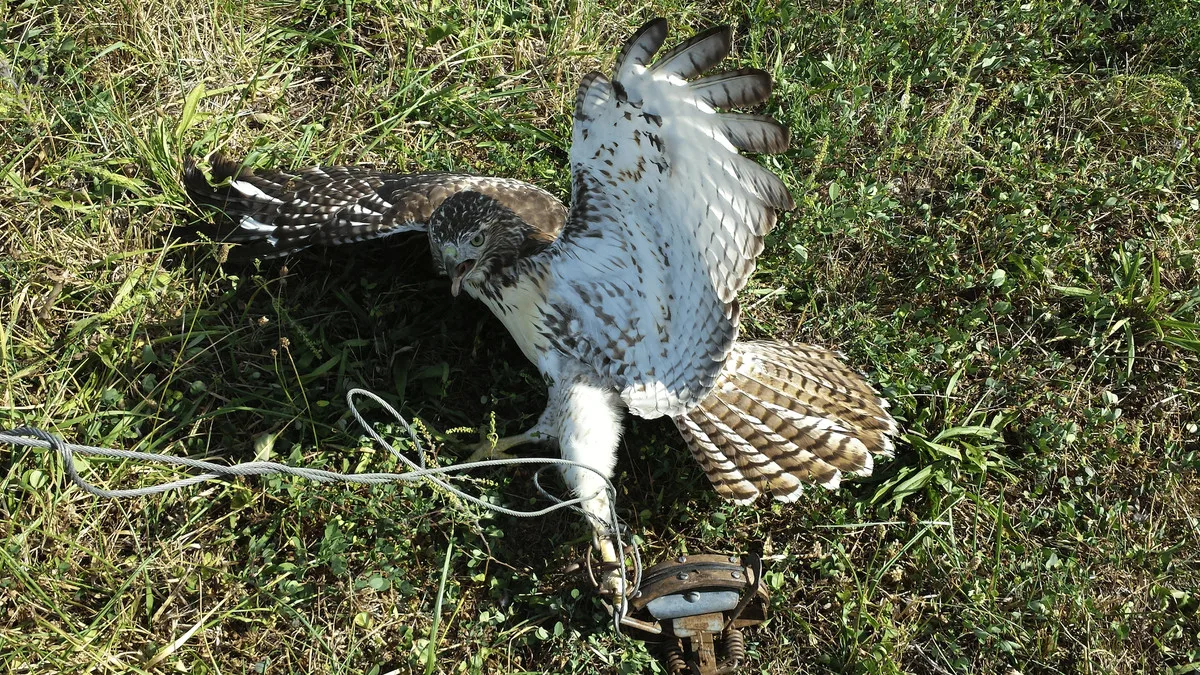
x: 37, y: 438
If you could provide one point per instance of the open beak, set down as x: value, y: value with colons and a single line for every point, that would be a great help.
x: 462, y: 270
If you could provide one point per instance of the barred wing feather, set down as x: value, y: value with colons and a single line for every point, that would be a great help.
x: 278, y: 213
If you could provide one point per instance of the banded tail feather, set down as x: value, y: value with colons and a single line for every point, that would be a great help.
x: 783, y: 415
x: 277, y: 213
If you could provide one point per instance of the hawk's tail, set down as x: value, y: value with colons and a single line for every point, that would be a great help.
x: 783, y: 415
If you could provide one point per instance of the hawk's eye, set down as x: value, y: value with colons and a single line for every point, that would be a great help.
x: 477, y: 240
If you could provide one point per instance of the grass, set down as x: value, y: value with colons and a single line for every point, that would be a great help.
x: 998, y: 221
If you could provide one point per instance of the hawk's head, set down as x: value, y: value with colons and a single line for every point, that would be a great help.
x: 473, y: 237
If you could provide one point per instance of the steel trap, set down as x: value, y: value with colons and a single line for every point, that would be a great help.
x: 695, y: 608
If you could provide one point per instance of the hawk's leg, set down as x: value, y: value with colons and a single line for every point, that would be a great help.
x: 588, y: 430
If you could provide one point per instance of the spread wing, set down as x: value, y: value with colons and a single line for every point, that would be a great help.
x: 279, y: 213
x: 667, y: 218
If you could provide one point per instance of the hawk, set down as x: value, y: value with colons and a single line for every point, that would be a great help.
x: 626, y: 303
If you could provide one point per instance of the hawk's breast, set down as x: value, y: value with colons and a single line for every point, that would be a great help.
x: 522, y: 307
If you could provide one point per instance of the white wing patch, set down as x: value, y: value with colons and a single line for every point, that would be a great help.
x: 667, y: 219
x: 253, y: 192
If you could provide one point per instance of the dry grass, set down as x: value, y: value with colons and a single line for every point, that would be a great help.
x: 999, y: 221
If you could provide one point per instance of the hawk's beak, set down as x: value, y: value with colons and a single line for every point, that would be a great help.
x: 462, y: 270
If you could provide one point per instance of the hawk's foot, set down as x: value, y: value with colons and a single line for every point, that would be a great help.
x: 609, y: 577
x: 486, y: 449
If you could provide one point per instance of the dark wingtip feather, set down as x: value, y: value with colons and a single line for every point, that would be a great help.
x: 223, y: 167
x: 734, y: 89
x: 641, y: 47
x: 593, y: 90
x: 200, y: 185
x: 193, y: 177
x: 197, y: 185
x: 755, y: 133
x: 696, y: 54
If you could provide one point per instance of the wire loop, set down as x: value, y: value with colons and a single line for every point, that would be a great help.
x: 29, y: 436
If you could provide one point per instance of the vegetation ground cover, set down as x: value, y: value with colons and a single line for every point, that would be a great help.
x: 998, y: 221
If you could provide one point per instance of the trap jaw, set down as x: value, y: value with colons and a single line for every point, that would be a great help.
x: 695, y: 607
